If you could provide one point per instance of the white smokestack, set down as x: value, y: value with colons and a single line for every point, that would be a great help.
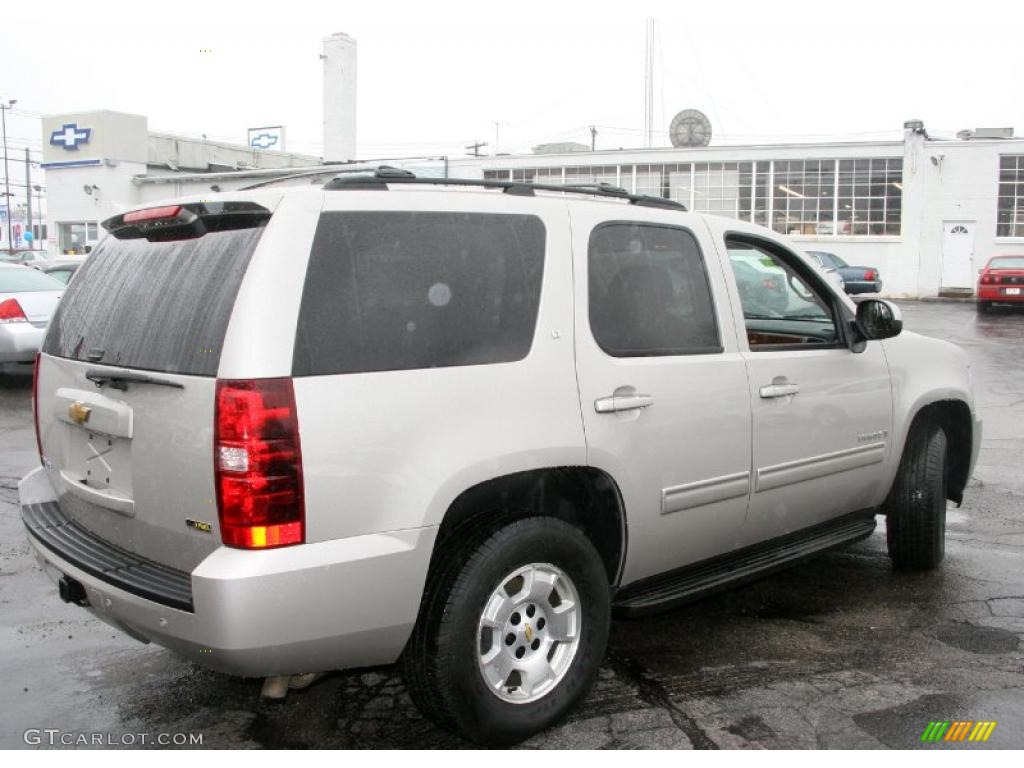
x: 339, y: 59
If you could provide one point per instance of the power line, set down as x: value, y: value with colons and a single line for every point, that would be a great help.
x: 24, y: 139
x: 19, y: 184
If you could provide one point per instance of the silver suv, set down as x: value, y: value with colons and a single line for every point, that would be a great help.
x: 459, y: 424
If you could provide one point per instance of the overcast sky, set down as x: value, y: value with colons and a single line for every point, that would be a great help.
x: 431, y: 81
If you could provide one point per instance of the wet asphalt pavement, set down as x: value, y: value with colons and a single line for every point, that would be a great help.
x: 837, y: 652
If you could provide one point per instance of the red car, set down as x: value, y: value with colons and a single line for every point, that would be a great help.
x: 1001, y: 281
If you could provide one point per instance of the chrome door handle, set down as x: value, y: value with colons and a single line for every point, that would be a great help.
x: 778, y: 390
x: 622, y: 403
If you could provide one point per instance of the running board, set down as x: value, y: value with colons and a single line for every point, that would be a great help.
x: 692, y: 582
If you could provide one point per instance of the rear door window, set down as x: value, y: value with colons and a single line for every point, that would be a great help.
x: 159, y: 306
x: 649, y: 292
x: 389, y: 290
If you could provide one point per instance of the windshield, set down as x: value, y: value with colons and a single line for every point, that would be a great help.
x: 26, y: 280
x: 1007, y: 262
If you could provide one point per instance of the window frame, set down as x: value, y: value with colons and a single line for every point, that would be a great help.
x: 708, y: 350
x: 1016, y: 209
x: 841, y: 315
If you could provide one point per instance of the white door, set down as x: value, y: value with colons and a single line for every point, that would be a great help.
x: 957, y: 254
x: 663, y: 387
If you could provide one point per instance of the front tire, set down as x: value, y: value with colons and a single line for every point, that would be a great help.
x: 916, y: 508
x: 507, y: 645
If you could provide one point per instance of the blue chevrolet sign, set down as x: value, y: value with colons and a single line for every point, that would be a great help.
x: 70, y: 136
x: 263, y: 140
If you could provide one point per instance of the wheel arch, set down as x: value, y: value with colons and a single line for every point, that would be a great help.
x: 956, y: 420
x: 583, y: 496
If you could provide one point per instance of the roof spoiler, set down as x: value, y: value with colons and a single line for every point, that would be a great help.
x: 185, y: 221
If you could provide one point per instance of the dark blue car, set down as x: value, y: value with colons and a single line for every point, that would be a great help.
x: 857, y: 279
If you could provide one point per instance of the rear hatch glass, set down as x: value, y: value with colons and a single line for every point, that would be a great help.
x: 158, y: 306
x: 130, y: 455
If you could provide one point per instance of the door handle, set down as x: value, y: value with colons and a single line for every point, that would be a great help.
x: 778, y: 390
x: 616, y: 403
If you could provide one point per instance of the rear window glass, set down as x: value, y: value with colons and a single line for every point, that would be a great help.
x: 26, y: 280
x: 400, y: 290
x: 155, y: 306
x: 1007, y: 262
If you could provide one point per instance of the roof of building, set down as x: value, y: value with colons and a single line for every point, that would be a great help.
x: 187, y: 153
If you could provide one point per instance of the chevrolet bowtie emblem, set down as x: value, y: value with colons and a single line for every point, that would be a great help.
x: 79, y: 412
x: 529, y: 634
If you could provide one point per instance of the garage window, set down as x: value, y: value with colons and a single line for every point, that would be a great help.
x: 1010, y: 221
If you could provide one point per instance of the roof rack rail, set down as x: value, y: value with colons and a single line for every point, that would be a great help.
x: 386, y: 175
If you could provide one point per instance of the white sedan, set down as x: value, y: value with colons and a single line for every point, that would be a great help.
x: 28, y: 299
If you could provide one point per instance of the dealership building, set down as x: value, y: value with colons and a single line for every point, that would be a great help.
x: 926, y: 212
x: 98, y: 163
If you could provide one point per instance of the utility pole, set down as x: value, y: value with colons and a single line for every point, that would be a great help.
x: 39, y: 207
x: 475, y: 147
x: 593, y: 138
x: 7, y: 176
x: 649, y: 85
x: 28, y: 194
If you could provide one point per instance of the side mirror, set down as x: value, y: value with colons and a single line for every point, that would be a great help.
x: 877, y: 319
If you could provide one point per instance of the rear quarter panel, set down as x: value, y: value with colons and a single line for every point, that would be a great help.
x: 391, y: 450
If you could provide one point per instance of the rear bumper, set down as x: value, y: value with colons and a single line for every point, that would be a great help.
x: 19, y: 342
x: 998, y: 293
x: 863, y: 286
x: 315, y: 607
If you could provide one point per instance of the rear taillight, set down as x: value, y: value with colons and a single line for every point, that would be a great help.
x: 986, y: 278
x: 997, y: 278
x: 258, y: 464
x: 35, y: 406
x: 11, y: 312
x: 869, y: 274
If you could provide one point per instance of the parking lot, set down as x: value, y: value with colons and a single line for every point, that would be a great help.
x: 838, y: 652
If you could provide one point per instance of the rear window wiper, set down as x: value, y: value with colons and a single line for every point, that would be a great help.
x: 121, y: 379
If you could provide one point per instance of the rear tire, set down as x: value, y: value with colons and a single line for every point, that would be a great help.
x: 445, y: 664
x: 916, y: 508
x: 984, y: 307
